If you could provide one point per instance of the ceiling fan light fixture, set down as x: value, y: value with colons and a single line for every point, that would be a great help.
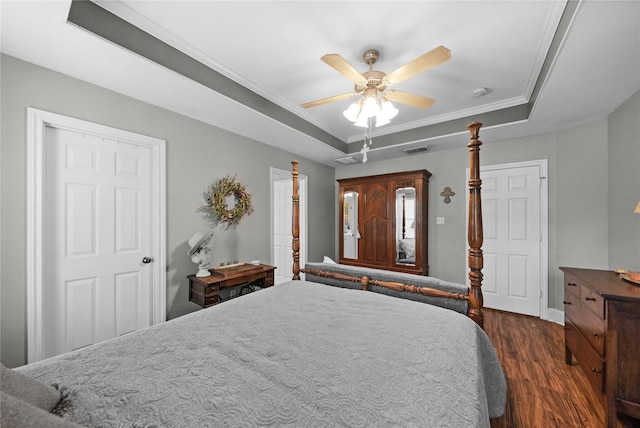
x: 363, y: 121
x: 353, y: 111
x: 389, y: 109
x: 382, y: 119
x: 370, y: 107
x: 371, y: 85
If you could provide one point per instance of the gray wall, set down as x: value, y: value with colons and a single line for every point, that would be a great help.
x: 594, y: 184
x: 197, y: 154
x: 624, y: 185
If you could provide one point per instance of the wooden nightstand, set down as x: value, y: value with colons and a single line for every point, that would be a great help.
x: 205, y: 291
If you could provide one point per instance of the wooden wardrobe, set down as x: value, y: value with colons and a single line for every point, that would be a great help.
x: 383, y: 221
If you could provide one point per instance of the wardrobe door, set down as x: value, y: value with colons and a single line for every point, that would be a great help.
x: 376, y: 224
x: 350, y: 207
x: 407, y: 232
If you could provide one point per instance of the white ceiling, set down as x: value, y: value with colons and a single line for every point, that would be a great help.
x: 273, y: 48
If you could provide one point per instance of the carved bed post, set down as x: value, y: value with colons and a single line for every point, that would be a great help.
x: 295, y: 226
x: 475, y: 233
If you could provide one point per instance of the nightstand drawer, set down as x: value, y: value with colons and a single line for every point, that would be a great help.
x: 269, y: 279
x: 204, y: 295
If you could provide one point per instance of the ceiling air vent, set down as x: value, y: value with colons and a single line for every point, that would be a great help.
x: 347, y: 160
x: 414, y: 150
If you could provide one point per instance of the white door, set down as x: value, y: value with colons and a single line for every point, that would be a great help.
x: 97, y: 198
x: 281, y: 216
x: 513, y: 238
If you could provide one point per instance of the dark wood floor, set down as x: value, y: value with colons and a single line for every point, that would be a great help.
x: 543, y: 390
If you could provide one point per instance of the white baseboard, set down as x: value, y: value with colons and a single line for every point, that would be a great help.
x: 556, y: 316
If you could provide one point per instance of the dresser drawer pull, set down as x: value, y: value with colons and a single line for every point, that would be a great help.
x: 595, y: 334
x: 571, y: 284
x: 595, y: 370
x: 566, y: 303
x: 593, y: 299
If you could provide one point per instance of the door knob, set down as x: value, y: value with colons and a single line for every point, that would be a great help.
x: 146, y: 260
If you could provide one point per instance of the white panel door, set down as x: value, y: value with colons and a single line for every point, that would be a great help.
x: 96, y: 233
x: 511, y: 216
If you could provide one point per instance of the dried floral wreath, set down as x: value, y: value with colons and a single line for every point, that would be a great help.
x: 216, y: 202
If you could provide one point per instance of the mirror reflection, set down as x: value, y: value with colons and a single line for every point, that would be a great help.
x: 350, y: 225
x: 406, y: 226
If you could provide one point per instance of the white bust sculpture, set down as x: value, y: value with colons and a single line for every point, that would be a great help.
x: 199, y: 247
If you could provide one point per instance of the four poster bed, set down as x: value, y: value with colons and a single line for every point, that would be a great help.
x: 311, y: 352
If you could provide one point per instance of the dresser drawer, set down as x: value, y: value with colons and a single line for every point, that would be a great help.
x: 573, y: 307
x: 588, y: 359
x: 592, y: 300
x: 571, y: 285
x: 590, y: 325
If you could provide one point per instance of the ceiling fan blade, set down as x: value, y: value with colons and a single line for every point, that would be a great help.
x: 344, y: 68
x: 409, y: 99
x: 419, y: 65
x: 327, y: 100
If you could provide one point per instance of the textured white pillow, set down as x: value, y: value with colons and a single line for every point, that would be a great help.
x: 20, y: 414
x: 28, y: 389
x: 328, y: 260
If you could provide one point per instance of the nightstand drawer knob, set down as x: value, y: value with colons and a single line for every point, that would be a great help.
x: 566, y: 303
x: 146, y: 260
x: 596, y: 371
x: 595, y: 334
x: 593, y: 299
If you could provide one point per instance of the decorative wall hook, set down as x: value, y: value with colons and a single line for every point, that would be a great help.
x: 447, y: 193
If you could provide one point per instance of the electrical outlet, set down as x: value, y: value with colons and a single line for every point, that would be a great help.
x: 439, y: 220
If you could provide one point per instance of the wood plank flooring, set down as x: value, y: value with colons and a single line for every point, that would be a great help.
x: 543, y: 390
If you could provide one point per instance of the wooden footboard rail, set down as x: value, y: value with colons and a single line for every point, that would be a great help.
x: 397, y: 286
x: 335, y: 275
x: 474, y: 237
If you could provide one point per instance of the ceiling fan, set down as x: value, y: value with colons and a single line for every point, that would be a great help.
x: 373, y: 84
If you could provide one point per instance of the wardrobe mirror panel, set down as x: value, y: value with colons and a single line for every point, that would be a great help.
x: 406, y: 226
x: 350, y: 225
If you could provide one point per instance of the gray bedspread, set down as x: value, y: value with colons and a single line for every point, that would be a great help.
x: 299, y: 354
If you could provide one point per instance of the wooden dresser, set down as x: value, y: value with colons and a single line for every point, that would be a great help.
x: 602, y: 332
